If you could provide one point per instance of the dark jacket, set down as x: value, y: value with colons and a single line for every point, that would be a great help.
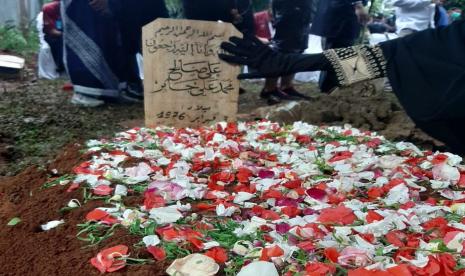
x: 132, y: 16
x: 336, y: 19
x: 426, y: 71
x: 291, y: 20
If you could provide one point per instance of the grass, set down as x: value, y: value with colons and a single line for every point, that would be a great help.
x: 12, y: 40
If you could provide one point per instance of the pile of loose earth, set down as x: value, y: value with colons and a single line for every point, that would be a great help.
x: 237, y: 198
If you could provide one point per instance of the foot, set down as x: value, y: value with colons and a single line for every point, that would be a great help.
x: 291, y: 91
x: 85, y: 101
x: 129, y: 96
x: 136, y: 88
x: 272, y: 97
x: 277, y: 93
x: 387, y: 87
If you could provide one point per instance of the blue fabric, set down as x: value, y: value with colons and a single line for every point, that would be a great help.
x: 92, y: 49
x: 336, y: 19
x: 443, y: 17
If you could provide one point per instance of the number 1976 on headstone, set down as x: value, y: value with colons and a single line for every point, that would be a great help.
x: 172, y: 115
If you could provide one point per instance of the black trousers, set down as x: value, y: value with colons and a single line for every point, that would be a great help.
x: 214, y: 10
x: 328, y: 79
x: 132, y: 17
x: 56, y: 45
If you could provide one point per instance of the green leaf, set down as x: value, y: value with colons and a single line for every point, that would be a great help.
x: 14, y: 221
x: 451, y: 217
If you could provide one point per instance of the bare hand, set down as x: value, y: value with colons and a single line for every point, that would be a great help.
x: 362, y: 14
x: 99, y: 5
x: 56, y: 33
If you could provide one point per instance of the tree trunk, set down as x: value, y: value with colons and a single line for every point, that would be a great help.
x: 23, y: 16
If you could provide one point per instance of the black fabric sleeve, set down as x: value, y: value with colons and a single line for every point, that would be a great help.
x: 427, y: 72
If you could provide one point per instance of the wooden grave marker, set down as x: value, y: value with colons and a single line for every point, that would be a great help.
x: 185, y: 83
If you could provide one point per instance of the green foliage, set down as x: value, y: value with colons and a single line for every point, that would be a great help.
x: 376, y: 6
x: 14, y: 41
x: 455, y: 4
x: 14, y: 222
x: 260, y: 5
x: 176, y: 11
x: 174, y: 8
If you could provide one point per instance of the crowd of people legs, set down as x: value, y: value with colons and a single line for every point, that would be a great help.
x: 96, y: 41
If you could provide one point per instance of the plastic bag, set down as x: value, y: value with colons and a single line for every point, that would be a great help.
x: 47, y: 68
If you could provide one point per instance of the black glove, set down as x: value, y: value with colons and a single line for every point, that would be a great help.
x: 267, y: 62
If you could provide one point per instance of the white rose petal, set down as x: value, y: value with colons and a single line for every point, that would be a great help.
x: 211, y: 244
x: 242, y: 197
x: 421, y: 261
x: 163, y: 161
x: 51, y: 224
x: 446, y: 173
x: 457, y: 242
x: 151, y: 240
x: 398, y: 194
x: 74, y: 203
x: 453, y: 195
x: 165, y: 215
x: 121, y: 190
x: 259, y: 269
x: 222, y: 211
x: 194, y: 265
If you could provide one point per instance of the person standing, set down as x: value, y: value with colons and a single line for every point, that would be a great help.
x: 131, y: 16
x: 413, y: 15
x: 441, y: 17
x: 237, y: 12
x: 53, y: 32
x: 339, y: 23
x: 291, y: 21
x: 91, y: 52
x: 379, y: 26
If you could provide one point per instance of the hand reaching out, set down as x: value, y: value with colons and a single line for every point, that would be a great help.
x: 267, y: 62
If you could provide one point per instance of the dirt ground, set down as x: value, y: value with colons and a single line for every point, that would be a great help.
x: 41, y: 136
x: 37, y: 119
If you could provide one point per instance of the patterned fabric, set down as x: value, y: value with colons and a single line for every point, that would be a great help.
x: 357, y: 63
x: 91, y: 50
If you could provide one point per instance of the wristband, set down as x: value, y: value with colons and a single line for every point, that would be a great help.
x: 357, y: 63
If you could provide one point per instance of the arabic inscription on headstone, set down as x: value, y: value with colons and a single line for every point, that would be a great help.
x: 186, y: 84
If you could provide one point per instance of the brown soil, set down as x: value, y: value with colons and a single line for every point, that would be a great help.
x: 27, y: 250
x: 37, y: 120
x: 361, y: 106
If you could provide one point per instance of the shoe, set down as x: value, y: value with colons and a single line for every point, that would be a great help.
x: 272, y: 97
x: 136, y: 88
x: 277, y: 93
x: 242, y: 91
x: 387, y: 87
x: 128, y: 96
x: 85, y: 101
x: 291, y: 91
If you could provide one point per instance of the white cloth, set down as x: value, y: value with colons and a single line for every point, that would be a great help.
x: 45, y: 63
x: 140, y: 65
x: 378, y: 38
x: 314, y: 47
x: 417, y: 15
